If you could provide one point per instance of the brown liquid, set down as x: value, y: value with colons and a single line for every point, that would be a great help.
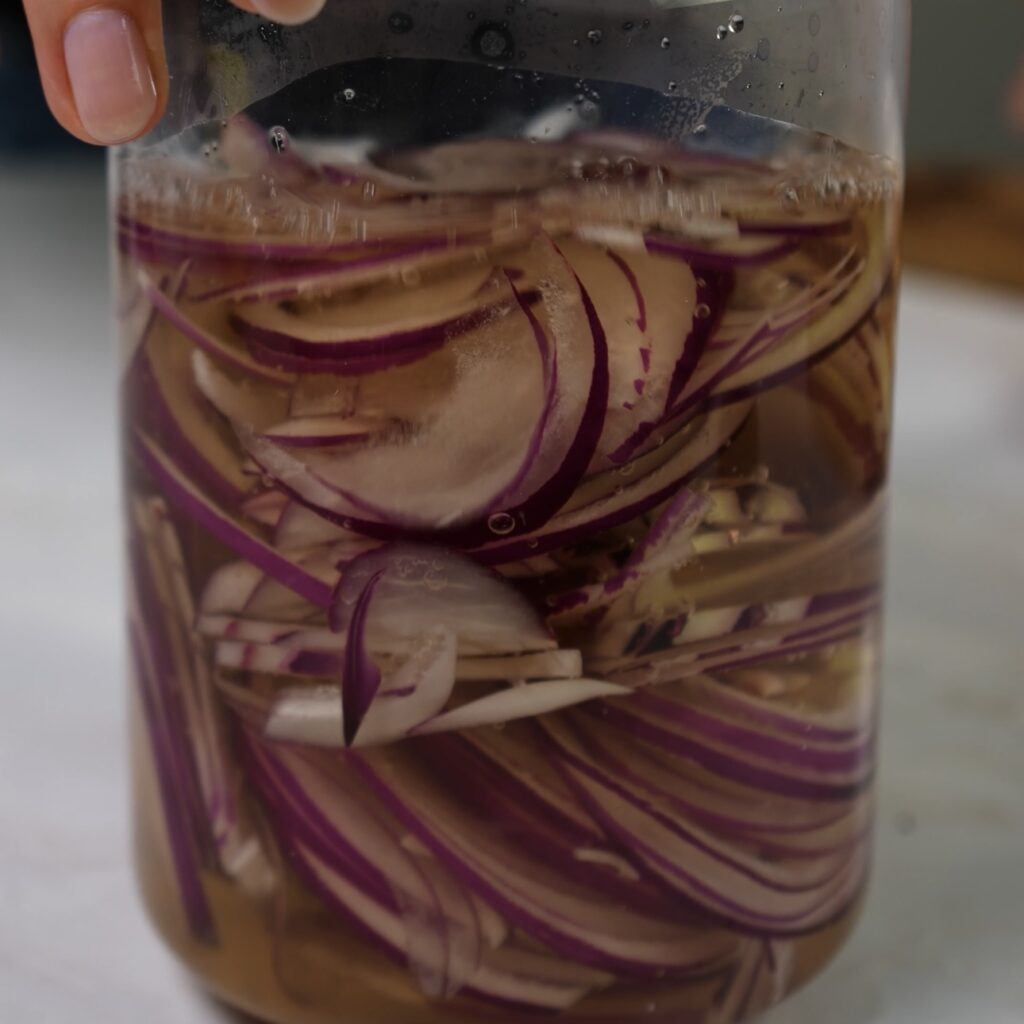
x: 770, y: 605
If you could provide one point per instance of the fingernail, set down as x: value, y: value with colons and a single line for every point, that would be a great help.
x: 111, y: 79
x: 289, y: 12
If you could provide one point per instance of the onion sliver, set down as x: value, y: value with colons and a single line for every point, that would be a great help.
x: 180, y: 491
x: 575, y: 922
x: 423, y: 588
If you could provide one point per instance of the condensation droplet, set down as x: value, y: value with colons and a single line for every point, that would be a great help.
x: 627, y: 26
x: 764, y: 49
x: 736, y: 24
x: 501, y: 523
x: 278, y: 138
x: 703, y: 311
x: 671, y: 87
x: 812, y: 61
x: 814, y: 24
x: 594, y: 37
x: 349, y: 94
x: 665, y: 42
x: 721, y: 33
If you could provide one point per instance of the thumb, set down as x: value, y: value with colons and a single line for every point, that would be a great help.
x: 102, y: 66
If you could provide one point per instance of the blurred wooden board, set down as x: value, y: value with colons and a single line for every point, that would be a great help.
x: 969, y: 223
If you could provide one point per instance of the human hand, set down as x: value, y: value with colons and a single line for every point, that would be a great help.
x: 102, y: 63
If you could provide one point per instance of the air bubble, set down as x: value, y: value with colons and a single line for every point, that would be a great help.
x: 665, y: 42
x: 594, y: 37
x: 435, y: 580
x: 672, y: 86
x: 703, y: 311
x: 278, y: 139
x: 814, y: 24
x: 736, y: 24
x: 493, y: 42
x: 349, y: 94
x: 812, y: 62
x: 627, y: 26
x: 721, y: 32
x: 399, y: 22
x: 501, y: 523
x: 764, y: 49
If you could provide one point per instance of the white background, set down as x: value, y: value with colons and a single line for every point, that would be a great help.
x: 942, y: 941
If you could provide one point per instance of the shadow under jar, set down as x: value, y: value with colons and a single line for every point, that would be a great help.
x: 507, y: 394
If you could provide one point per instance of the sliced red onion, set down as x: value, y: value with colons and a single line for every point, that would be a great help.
x: 229, y: 531
x: 294, y: 651
x: 301, y: 527
x: 606, y: 500
x: 331, y: 826
x: 673, y: 706
x: 792, y: 827
x: 560, y: 664
x: 739, y: 252
x: 401, y: 894
x: 325, y: 431
x: 161, y: 394
x: 803, y: 227
x: 362, y: 677
x: 642, y: 359
x: 207, y: 328
x: 751, y: 771
x: 186, y: 868
x: 266, y: 507
x: 529, y: 700
x: 305, y: 282
x: 839, y: 307
x: 576, y: 923
x: 388, y: 318
x: 423, y: 588
x: 666, y: 545
x: 750, y: 893
x: 505, y: 364
x: 235, y: 847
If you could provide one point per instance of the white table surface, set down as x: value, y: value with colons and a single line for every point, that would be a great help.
x: 942, y: 940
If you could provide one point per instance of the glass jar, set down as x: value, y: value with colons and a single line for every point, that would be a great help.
x: 507, y: 396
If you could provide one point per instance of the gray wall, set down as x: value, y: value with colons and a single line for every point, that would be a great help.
x: 965, y: 55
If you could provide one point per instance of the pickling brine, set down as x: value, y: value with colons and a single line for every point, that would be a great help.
x: 505, y: 541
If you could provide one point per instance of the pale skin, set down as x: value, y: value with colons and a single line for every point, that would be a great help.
x: 104, y: 72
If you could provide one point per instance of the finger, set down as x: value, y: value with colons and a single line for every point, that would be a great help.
x: 102, y: 65
x: 288, y: 12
